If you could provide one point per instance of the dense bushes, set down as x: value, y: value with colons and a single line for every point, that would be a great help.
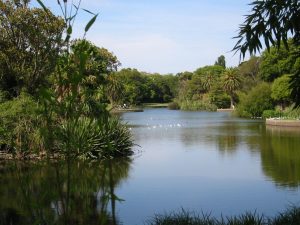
x: 287, y: 113
x: 19, y: 125
x: 255, y: 101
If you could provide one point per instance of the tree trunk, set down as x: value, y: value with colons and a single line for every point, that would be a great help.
x: 231, y: 102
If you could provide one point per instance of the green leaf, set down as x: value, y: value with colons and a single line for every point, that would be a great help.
x: 42, y: 5
x: 69, y: 30
x: 89, y: 12
x: 90, y: 23
x: 75, y: 6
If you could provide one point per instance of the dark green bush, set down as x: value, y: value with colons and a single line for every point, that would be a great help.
x: 220, y: 99
x: 255, y: 102
x: 19, y: 122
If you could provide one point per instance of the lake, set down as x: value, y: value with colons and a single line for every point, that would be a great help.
x: 209, y: 162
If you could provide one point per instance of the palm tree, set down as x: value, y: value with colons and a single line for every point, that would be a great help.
x: 231, y: 83
x: 207, y: 80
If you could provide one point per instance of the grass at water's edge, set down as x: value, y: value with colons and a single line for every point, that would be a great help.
x: 289, y: 217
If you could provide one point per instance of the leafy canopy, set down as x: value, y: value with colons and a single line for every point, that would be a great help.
x: 272, y: 22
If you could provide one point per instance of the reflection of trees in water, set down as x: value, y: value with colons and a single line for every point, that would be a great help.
x: 231, y: 135
x: 61, y: 193
x: 280, y: 155
x: 228, y: 137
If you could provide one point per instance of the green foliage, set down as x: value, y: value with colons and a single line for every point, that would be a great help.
x: 79, y: 125
x: 291, y: 113
x: 19, y: 126
x: 216, y: 70
x: 270, y: 113
x: 219, y: 98
x: 231, y: 83
x: 184, y: 76
x: 278, y: 61
x: 221, y: 61
x: 198, y: 105
x: 255, y: 101
x: 273, y: 27
x: 248, y: 72
x: 138, y: 87
x: 100, y: 61
x: 94, y: 139
x: 30, y: 41
x: 281, y: 89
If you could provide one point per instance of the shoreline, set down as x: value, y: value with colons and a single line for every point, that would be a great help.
x: 225, y: 110
x: 283, y: 123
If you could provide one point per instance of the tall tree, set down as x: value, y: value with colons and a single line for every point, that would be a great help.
x: 221, y: 61
x: 30, y: 41
x: 272, y: 22
x: 231, y: 82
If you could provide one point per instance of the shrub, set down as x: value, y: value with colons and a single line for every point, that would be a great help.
x: 255, y: 102
x: 220, y: 99
x: 19, y: 124
x: 96, y: 140
x: 270, y: 113
x: 291, y: 112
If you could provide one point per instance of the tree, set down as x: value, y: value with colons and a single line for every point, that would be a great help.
x: 250, y: 68
x: 216, y: 70
x: 30, y: 41
x: 281, y: 90
x: 272, y: 22
x: 231, y: 82
x: 221, y: 61
x: 248, y: 71
x: 208, y: 79
x: 278, y: 61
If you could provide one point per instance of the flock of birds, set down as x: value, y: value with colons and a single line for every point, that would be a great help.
x: 166, y: 126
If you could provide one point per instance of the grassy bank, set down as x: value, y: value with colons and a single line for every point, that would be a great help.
x: 289, y: 217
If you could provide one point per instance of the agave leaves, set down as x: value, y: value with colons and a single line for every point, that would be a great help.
x: 92, y: 139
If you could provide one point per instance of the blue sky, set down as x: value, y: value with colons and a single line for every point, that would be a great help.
x: 166, y: 36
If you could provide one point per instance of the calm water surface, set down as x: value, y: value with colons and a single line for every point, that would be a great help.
x: 201, y: 161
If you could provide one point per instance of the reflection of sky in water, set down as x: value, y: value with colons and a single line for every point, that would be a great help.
x: 200, y: 161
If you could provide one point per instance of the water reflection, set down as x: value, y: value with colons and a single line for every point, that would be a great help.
x: 280, y: 155
x: 61, y: 193
x: 277, y: 148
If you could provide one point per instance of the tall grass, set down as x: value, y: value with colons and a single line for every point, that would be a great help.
x: 289, y: 217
